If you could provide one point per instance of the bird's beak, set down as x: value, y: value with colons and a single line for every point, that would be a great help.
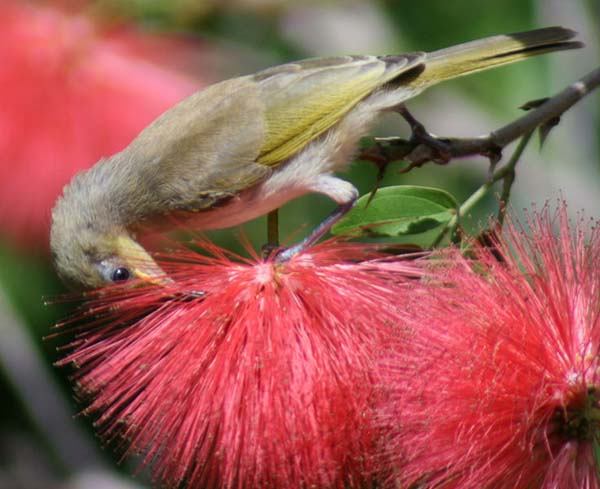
x: 154, y: 277
x: 147, y: 270
x: 141, y: 263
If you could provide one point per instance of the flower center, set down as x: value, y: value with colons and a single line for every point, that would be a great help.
x: 580, y: 419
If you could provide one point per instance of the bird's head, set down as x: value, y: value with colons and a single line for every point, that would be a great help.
x: 89, y: 261
x: 90, y: 244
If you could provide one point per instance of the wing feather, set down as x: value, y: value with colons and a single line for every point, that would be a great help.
x: 204, y: 149
x: 304, y: 99
x: 228, y: 136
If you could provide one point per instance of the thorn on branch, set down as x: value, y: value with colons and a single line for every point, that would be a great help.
x: 494, y: 155
x: 545, y: 127
x: 534, y: 104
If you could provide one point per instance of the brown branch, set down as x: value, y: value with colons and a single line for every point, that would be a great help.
x: 417, y: 152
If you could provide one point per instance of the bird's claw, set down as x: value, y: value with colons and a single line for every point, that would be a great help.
x: 420, y: 136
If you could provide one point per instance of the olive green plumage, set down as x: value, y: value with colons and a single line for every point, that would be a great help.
x: 242, y: 147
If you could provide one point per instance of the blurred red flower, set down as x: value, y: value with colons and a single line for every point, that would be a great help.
x: 499, y: 384
x: 71, y: 94
x: 264, y: 380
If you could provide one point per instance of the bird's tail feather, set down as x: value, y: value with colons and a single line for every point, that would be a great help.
x: 482, y: 54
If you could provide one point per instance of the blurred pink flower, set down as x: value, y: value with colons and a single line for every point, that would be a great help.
x: 499, y: 385
x: 71, y: 94
x: 264, y: 380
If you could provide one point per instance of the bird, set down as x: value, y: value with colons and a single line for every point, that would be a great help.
x: 243, y: 147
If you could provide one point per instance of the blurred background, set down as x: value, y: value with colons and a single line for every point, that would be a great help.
x: 80, y: 79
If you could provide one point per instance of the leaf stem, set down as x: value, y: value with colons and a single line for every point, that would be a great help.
x: 508, y: 177
x: 273, y: 228
x: 505, y: 173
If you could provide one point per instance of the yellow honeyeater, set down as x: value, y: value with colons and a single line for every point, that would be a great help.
x: 245, y: 146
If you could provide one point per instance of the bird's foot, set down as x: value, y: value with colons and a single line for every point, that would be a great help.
x: 281, y: 255
x: 268, y: 249
x: 420, y: 136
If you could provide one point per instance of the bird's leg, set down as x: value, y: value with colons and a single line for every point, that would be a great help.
x: 344, y: 193
x: 422, y: 136
x: 317, y: 233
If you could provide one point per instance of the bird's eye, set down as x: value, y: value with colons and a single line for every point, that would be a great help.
x: 120, y: 274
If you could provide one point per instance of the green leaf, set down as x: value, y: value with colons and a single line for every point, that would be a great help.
x: 398, y: 211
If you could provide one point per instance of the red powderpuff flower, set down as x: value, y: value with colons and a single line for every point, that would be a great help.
x: 70, y: 94
x: 499, y: 384
x: 245, y: 373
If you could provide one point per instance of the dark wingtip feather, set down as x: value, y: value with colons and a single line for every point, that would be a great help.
x: 545, y: 34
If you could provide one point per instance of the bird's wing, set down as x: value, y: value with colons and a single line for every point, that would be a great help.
x: 229, y: 136
x: 204, y: 149
x: 304, y: 99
